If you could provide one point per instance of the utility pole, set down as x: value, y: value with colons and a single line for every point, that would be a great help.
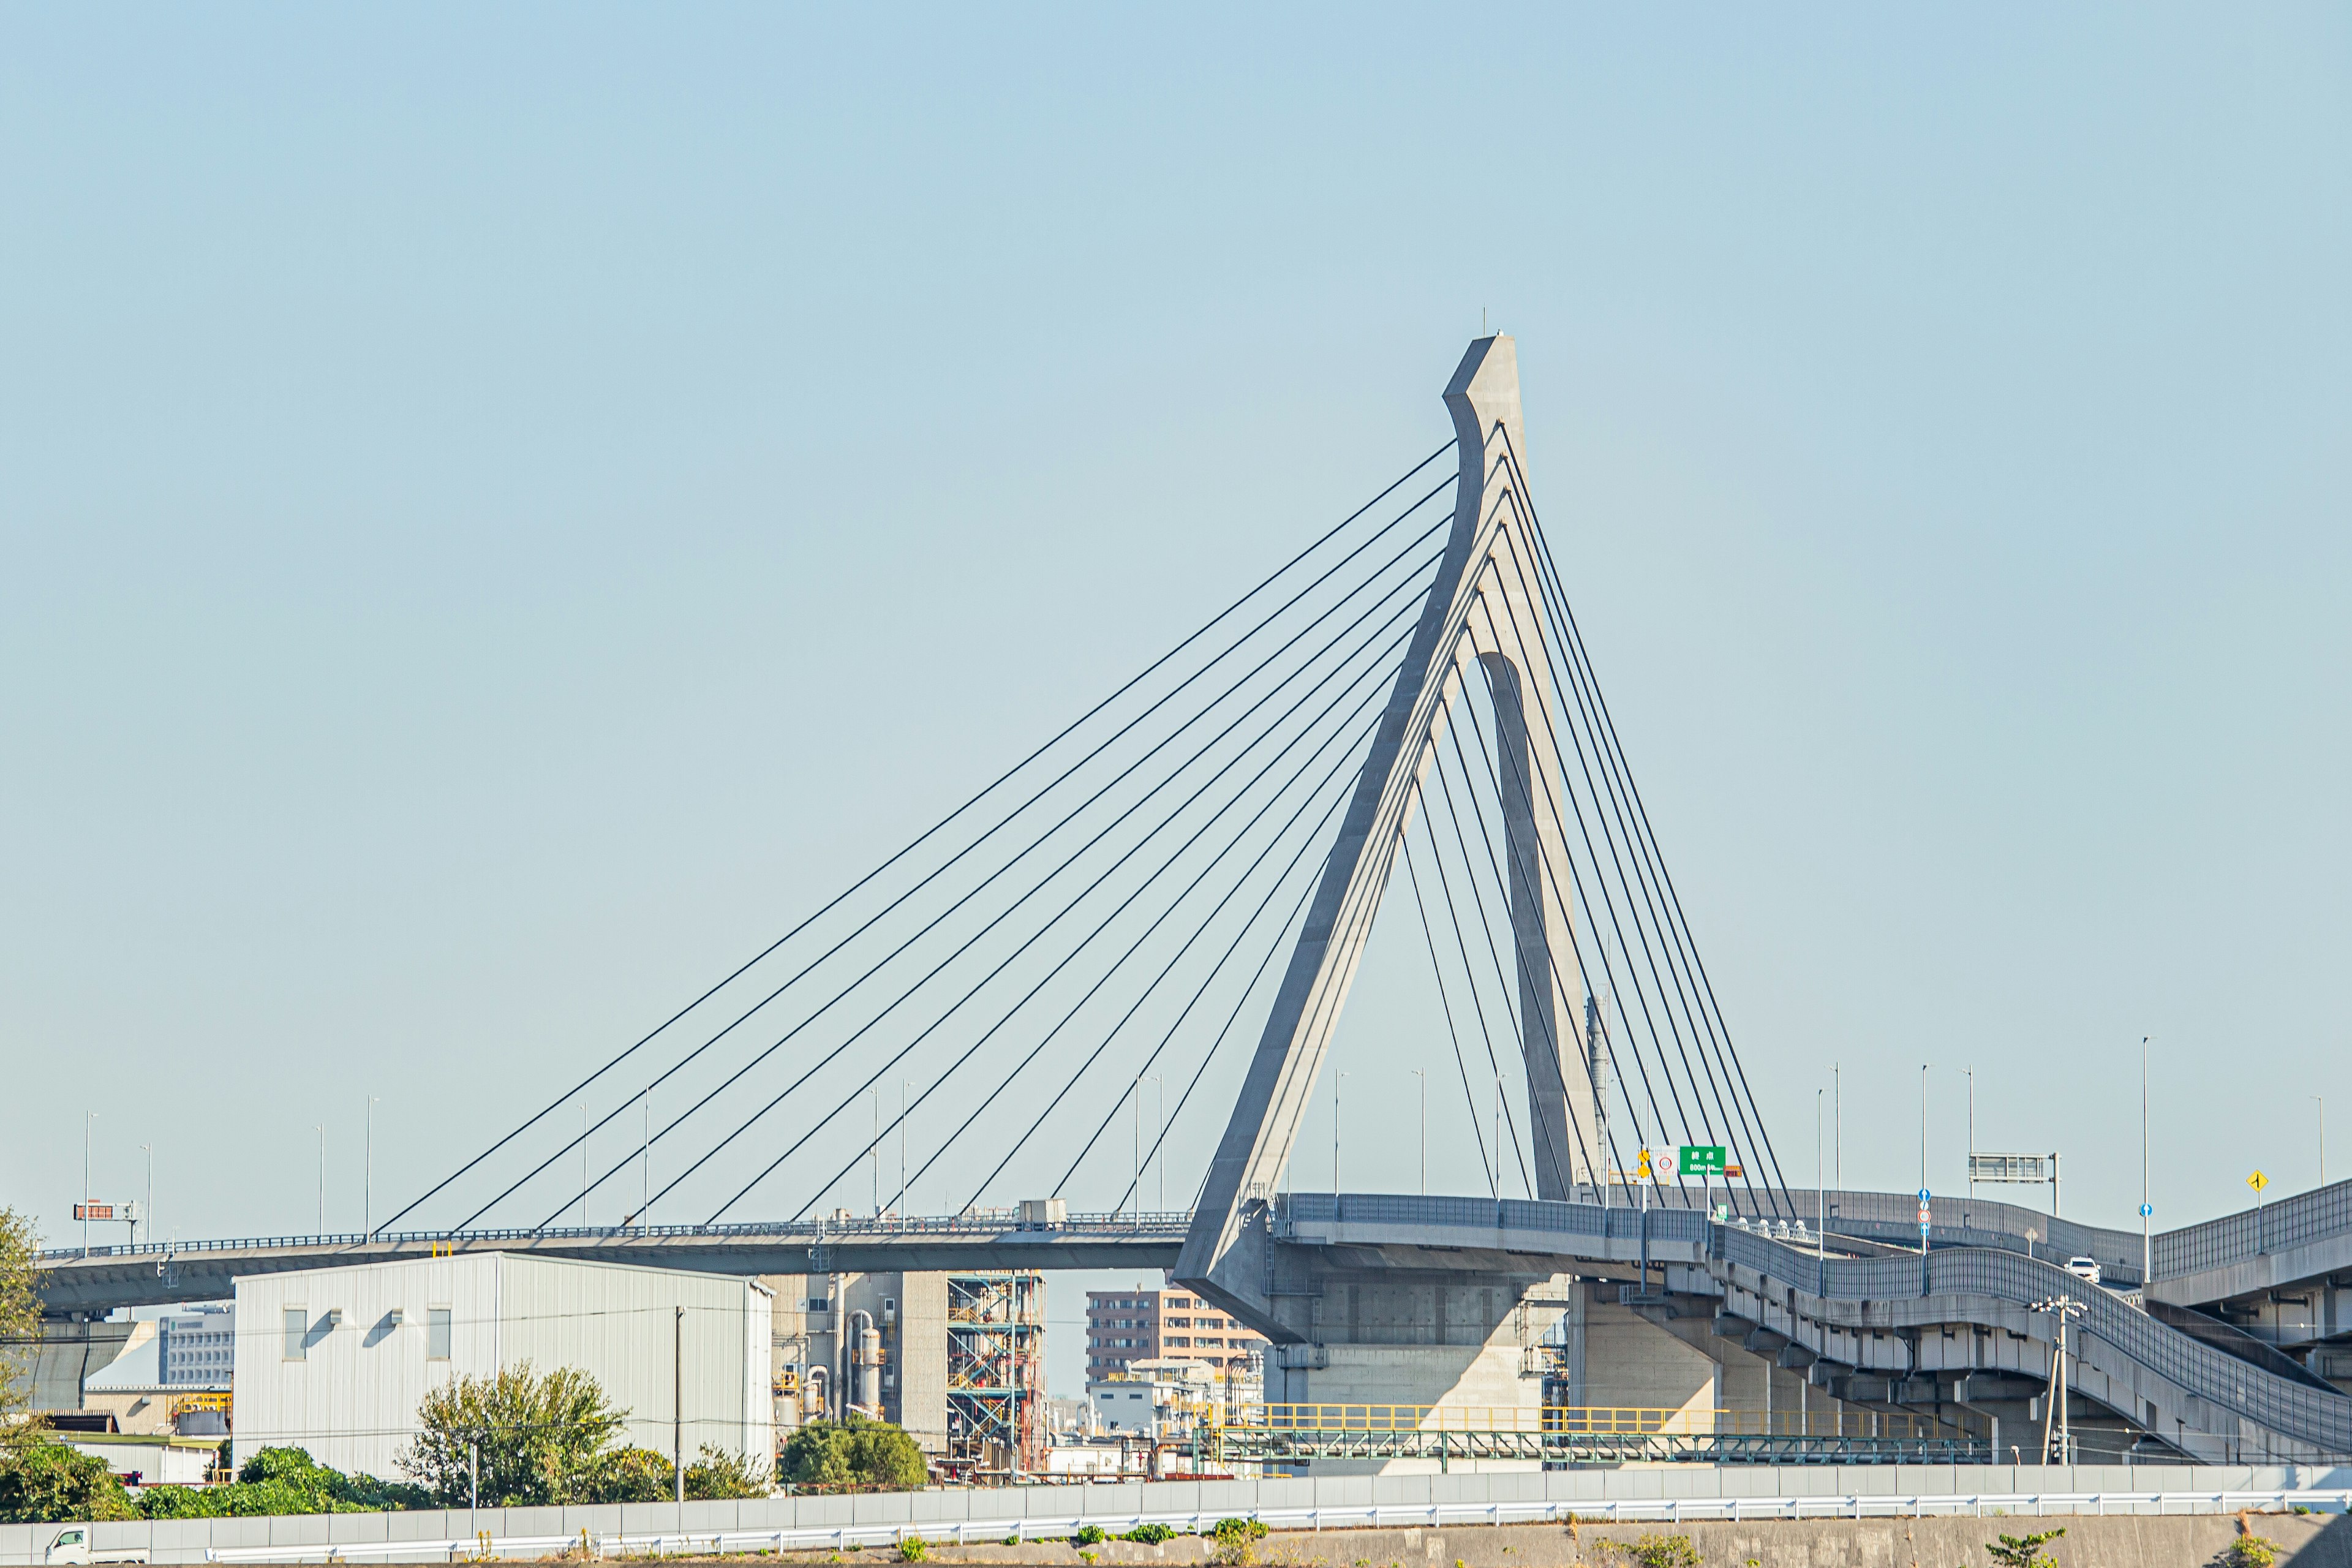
x: 2060, y: 1308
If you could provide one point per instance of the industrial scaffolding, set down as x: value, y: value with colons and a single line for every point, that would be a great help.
x: 996, y: 1375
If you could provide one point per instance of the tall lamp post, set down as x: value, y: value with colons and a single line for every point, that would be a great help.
x: 1972, y: 1131
x: 1422, y: 1081
x: 1923, y: 1159
x: 2321, y: 1100
x: 89, y: 1121
x: 2146, y: 1209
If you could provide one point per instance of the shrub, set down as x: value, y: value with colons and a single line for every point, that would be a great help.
x: 914, y: 1549
x: 721, y: 1473
x: 1088, y: 1535
x: 856, y: 1452
x: 42, y: 1480
x: 2249, y: 1551
x: 2024, y: 1551
x: 1234, y: 1541
x: 1149, y: 1534
x: 630, y: 1474
x: 1663, y: 1551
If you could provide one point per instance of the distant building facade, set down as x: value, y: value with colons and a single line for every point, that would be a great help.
x: 337, y: 1361
x: 1127, y: 1326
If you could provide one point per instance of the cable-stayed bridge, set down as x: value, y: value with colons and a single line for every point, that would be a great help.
x: 1394, y: 746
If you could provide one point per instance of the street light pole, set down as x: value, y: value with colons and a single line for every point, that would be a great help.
x: 1837, y: 1125
x: 367, y: 1180
x: 2321, y: 1100
x: 1820, y: 1196
x: 89, y: 1121
x: 1336, y: 1079
x: 1422, y: 1078
x: 1972, y: 1131
x: 322, y: 1178
x: 147, y: 1210
x: 2146, y: 1209
x: 1923, y: 1156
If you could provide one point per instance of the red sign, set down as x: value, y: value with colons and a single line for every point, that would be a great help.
x: 93, y: 1211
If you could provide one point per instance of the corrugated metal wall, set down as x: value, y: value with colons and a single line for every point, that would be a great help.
x: 351, y: 1397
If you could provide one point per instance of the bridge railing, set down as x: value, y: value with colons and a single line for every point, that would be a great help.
x: 2289, y: 1223
x: 2314, y: 1415
x: 1582, y: 1420
x: 972, y: 1222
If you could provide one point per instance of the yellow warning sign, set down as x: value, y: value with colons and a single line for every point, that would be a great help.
x: 2258, y: 1181
x: 1643, y: 1171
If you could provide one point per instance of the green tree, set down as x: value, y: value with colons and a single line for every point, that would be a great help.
x: 2024, y: 1551
x: 871, y: 1455
x: 719, y: 1474
x: 539, y: 1436
x: 41, y: 1481
x: 20, y: 1321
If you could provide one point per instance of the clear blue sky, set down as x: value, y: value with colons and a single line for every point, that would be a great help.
x: 503, y: 510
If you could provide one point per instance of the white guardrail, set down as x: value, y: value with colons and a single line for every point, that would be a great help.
x: 1386, y: 1515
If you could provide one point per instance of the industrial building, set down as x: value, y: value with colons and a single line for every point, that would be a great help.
x: 337, y: 1360
x: 956, y: 1359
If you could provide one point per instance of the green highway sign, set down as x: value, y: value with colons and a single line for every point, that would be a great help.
x: 1703, y: 1159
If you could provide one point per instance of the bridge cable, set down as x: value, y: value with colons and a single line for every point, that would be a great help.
x: 1523, y: 661
x: 982, y: 794
x: 1306, y: 843
x: 1580, y: 665
x: 1233, y: 843
x: 1736, y: 1115
x: 1066, y: 910
x: 1123, y: 775
x: 1502, y: 888
x: 1453, y: 917
x: 1437, y: 970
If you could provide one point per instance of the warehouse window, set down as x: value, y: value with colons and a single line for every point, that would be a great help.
x: 436, y: 1334
x: 298, y: 1324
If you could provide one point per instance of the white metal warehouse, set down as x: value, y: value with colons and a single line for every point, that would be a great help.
x: 336, y: 1361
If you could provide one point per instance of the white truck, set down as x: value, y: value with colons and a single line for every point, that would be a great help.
x: 72, y: 1544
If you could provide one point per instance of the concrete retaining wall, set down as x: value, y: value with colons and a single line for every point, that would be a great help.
x: 935, y: 1514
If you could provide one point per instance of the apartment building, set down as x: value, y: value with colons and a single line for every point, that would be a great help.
x: 1126, y: 1326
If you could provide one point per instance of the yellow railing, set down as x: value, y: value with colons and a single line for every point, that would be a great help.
x: 1574, y: 1420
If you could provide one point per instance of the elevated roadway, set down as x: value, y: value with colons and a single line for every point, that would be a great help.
x: 75, y: 1284
x: 1958, y: 1327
